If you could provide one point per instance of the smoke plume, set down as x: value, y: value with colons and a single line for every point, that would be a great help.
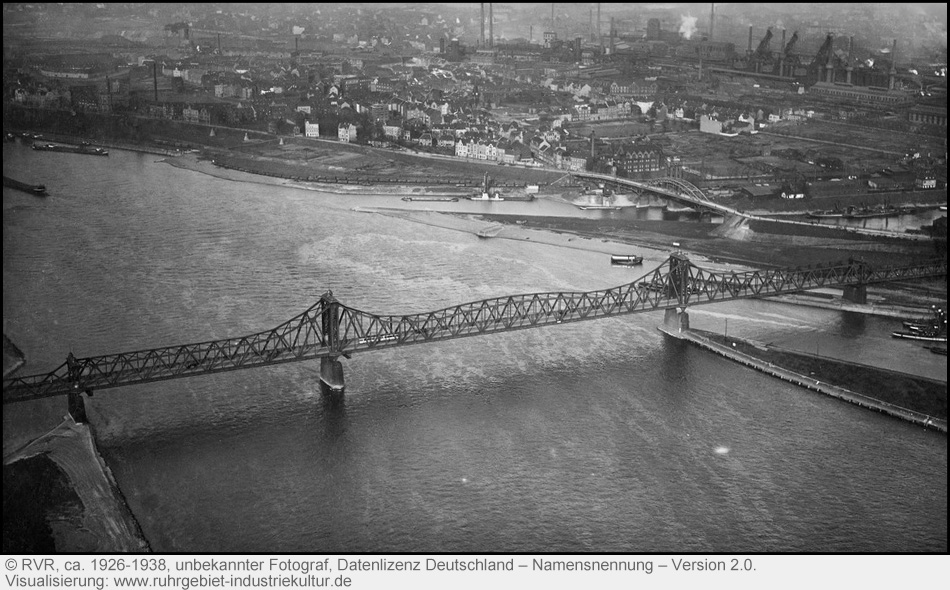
x: 688, y: 25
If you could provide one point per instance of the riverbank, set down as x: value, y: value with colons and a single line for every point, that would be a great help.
x: 915, y: 399
x: 60, y: 496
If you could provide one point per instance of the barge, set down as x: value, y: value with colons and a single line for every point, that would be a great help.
x: 625, y: 259
x: 443, y: 199
x: 70, y: 149
x: 35, y: 189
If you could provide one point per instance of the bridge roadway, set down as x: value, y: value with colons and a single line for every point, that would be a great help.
x: 329, y: 329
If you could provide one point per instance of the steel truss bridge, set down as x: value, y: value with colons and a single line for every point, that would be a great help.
x: 329, y: 329
x: 672, y: 188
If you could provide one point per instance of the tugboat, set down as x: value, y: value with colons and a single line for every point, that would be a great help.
x: 486, y: 195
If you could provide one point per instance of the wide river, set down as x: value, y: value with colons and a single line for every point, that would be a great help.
x: 592, y: 436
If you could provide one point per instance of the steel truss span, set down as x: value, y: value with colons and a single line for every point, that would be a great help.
x: 331, y: 329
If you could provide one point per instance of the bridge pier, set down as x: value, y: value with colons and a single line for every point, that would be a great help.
x: 856, y: 293
x: 76, y: 406
x: 677, y: 320
x: 332, y: 383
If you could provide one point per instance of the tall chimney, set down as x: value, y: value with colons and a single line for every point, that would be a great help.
x: 781, y: 56
x: 750, y: 39
x: 612, y: 32
x: 491, y: 27
x: 590, y: 27
x: 712, y: 19
x: 848, y: 68
x: 831, y: 56
x: 600, y: 38
x: 155, y: 79
x: 893, y: 72
x: 219, y: 43
x: 483, y: 24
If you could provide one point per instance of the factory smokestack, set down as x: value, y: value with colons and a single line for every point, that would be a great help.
x: 491, y: 27
x: 831, y: 56
x: 712, y: 19
x: 483, y: 24
x: 155, y: 79
x: 600, y: 38
x: 848, y: 68
x: 893, y: 72
x: 750, y: 39
x: 612, y: 33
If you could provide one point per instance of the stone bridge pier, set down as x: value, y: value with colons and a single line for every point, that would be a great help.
x: 676, y: 320
x: 856, y: 293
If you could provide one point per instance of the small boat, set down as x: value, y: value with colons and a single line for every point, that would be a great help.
x: 937, y: 349
x: 625, y: 259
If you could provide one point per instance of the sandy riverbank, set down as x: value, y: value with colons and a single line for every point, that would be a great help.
x: 72, y: 503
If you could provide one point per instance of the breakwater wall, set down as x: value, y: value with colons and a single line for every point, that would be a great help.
x: 683, y: 333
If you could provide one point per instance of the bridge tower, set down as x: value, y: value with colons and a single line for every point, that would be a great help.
x: 331, y: 369
x: 74, y: 402
x: 679, y: 285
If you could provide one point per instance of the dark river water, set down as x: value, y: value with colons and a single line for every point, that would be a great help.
x: 594, y: 436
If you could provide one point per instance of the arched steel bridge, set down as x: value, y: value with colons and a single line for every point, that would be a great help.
x: 330, y: 329
x: 672, y: 188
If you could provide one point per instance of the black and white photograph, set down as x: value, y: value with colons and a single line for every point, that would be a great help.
x: 490, y: 280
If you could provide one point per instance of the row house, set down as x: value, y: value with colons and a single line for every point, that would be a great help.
x: 311, y: 129
x: 566, y: 160
x: 194, y: 75
x: 392, y: 131
x: 416, y: 113
x: 225, y: 90
x: 645, y: 90
x: 192, y: 115
x: 382, y: 85
x: 636, y: 160
x: 346, y: 132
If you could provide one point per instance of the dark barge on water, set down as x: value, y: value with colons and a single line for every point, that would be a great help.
x: 71, y: 149
x: 35, y: 189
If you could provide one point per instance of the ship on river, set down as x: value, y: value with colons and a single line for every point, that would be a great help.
x: 72, y: 149
x: 35, y: 189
